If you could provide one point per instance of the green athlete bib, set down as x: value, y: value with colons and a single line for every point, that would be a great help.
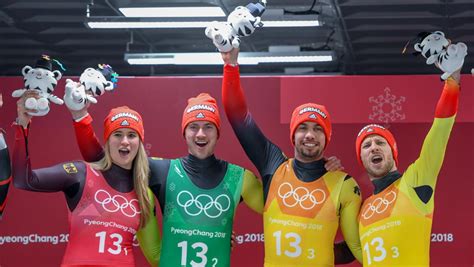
x: 197, y: 223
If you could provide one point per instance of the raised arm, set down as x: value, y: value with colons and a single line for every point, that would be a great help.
x: 264, y: 154
x: 89, y: 145
x: 426, y: 168
x: 53, y: 179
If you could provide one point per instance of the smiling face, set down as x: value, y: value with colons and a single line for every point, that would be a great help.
x: 310, y: 140
x: 201, y: 138
x: 123, y: 147
x: 376, y: 155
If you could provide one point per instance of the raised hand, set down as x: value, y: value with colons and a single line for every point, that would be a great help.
x: 76, y: 99
x: 231, y: 57
x: 24, y: 113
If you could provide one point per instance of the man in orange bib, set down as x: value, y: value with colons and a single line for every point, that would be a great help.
x: 304, y: 203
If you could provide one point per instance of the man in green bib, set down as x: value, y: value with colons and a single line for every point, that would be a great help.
x: 202, y: 193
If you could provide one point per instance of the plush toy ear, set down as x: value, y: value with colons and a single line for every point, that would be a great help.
x: 25, y: 70
x: 439, y: 33
x: 109, y: 86
x: 57, y: 75
x: 208, y: 32
x: 417, y: 47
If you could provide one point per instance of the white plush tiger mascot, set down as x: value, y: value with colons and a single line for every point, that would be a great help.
x: 44, y: 80
x: 222, y: 36
x: 244, y: 20
x: 431, y: 45
x: 241, y: 22
x: 440, y: 51
x: 92, y: 83
x: 99, y: 80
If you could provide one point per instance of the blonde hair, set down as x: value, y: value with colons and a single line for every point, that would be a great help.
x: 141, y: 172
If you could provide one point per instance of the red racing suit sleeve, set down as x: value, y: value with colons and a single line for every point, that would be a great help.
x: 265, y: 155
x: 89, y: 145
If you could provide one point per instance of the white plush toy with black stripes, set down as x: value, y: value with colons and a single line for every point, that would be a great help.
x: 431, y: 44
x: 241, y: 22
x: 245, y: 19
x: 439, y: 50
x: 222, y: 36
x: 92, y: 83
x: 43, y: 80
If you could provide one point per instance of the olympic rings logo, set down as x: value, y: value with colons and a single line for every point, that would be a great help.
x: 379, y: 205
x: 212, y: 208
x: 116, y: 203
x: 300, y: 195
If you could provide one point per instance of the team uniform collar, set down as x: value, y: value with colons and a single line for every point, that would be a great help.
x: 191, y: 160
x: 384, y: 182
x: 308, y: 172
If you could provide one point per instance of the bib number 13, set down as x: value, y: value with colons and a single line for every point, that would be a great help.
x: 116, y: 243
x: 293, y: 240
x: 379, y: 253
x: 201, y: 250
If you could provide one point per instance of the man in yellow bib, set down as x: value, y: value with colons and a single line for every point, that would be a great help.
x: 395, y: 222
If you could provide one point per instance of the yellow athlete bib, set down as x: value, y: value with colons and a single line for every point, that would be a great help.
x: 395, y: 225
x: 300, y: 219
x: 395, y: 228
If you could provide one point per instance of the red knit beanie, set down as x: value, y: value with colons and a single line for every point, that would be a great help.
x: 314, y: 113
x: 201, y: 108
x: 123, y: 117
x: 378, y: 130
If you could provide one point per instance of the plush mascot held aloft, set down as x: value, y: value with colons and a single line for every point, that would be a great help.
x: 92, y: 83
x: 241, y: 22
x: 438, y: 50
x: 42, y: 79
